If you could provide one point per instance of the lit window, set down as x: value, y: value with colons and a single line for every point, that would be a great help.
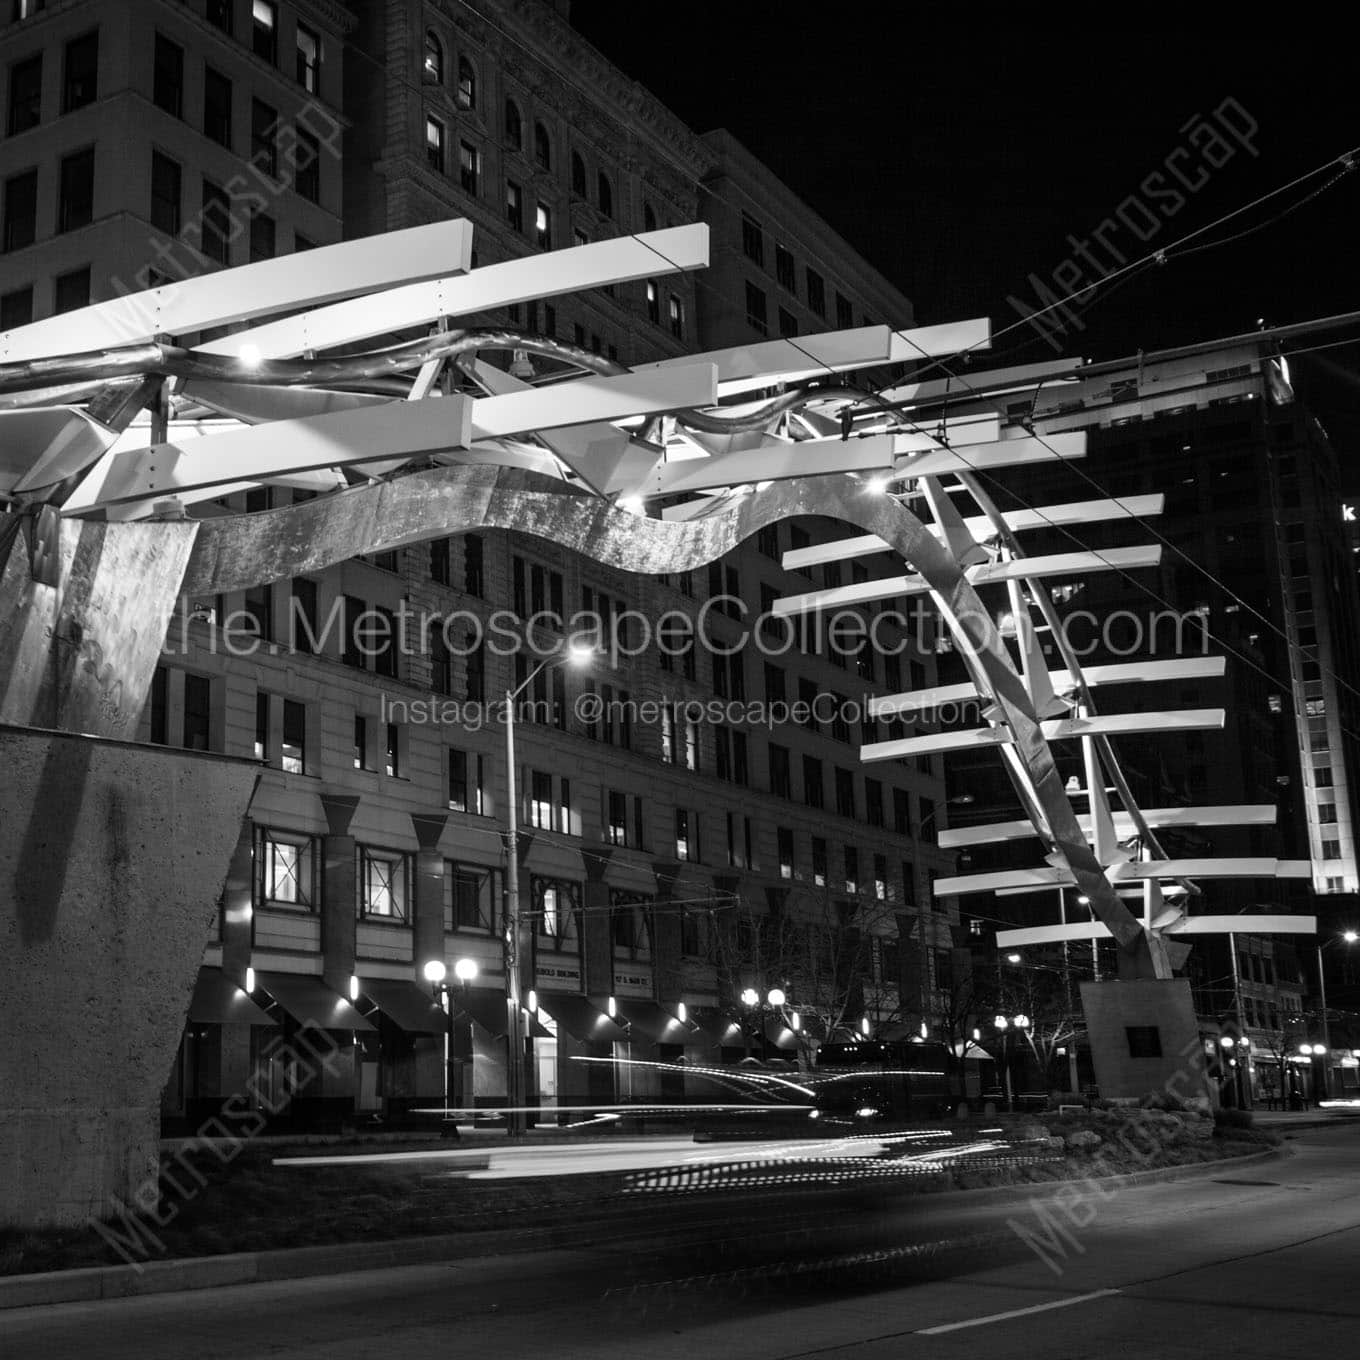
x: 308, y: 58
x: 264, y: 29
x: 434, y: 58
x: 286, y: 867
x: 467, y: 84
x: 543, y: 227
x: 434, y: 143
x: 382, y: 883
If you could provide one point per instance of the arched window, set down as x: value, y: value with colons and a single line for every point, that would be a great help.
x: 648, y: 218
x: 514, y: 125
x: 542, y: 147
x: 434, y: 58
x: 606, y: 194
x: 467, y: 84
x: 578, y: 174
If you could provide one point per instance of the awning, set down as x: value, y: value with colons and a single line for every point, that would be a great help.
x: 407, y: 1005
x: 629, y: 875
x: 718, y: 1028
x: 582, y: 1019
x: 488, y: 1011
x: 651, y: 1021
x: 780, y: 1035
x: 552, y: 857
x: 219, y: 1001
x: 309, y: 1001
x: 972, y: 1053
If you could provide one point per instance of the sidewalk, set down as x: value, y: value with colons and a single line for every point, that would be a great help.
x: 1313, y: 1118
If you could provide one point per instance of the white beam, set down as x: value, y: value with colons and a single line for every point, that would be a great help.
x: 398, y: 429
x: 248, y: 291
x: 988, y: 458
x: 1187, y: 925
x: 773, y: 461
x: 1251, y: 814
x: 1132, y: 871
x: 549, y: 274
x: 45, y: 444
x: 1054, y: 729
x: 1120, y: 673
x: 960, y: 387
x: 767, y: 363
x: 1018, y: 521
x: 989, y: 573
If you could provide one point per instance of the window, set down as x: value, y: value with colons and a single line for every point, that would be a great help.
x: 166, y: 181
x: 307, y: 174
x: 75, y: 204
x: 383, y: 884
x: 731, y: 755
x: 873, y: 802
x: 294, y: 755
x: 851, y: 869
x: 784, y: 268
x: 755, y: 309
x: 578, y: 175
x: 217, y: 107
x: 739, y: 841
x: 80, y: 72
x: 845, y: 792
x: 286, y: 869
x: 819, y: 862
x: 927, y: 829
x: 441, y: 660
x: 465, y: 782
x: 264, y: 30
x: 433, y: 67
x: 813, y: 793
x: 470, y: 896
x: 781, y: 781
x: 214, y: 224
x: 648, y: 217
x: 542, y: 147
x: 16, y: 308
x: 263, y: 237
x: 752, y: 239
x: 72, y: 291
x: 543, y: 226
x: 605, y: 193
x: 901, y: 812
x: 653, y: 302
x: 21, y: 210
x: 514, y: 125
x: 844, y: 316
x: 686, y: 835
x: 25, y: 94
x: 881, y: 878
x: 220, y: 14
x: 514, y: 205
x: 556, y: 905
x: 466, y: 95
x: 908, y: 883
x: 197, y: 711
x: 308, y: 58
x: 816, y: 292
x: 469, y: 168
x: 788, y: 323
x: 784, y: 842
x: 434, y: 143
x: 475, y: 665
x: 541, y: 801
x: 472, y: 564
x: 264, y: 141
x: 676, y: 313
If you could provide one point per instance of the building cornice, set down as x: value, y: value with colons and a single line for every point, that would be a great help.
x: 329, y: 13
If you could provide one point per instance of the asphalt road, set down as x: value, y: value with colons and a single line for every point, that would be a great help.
x: 1257, y: 1261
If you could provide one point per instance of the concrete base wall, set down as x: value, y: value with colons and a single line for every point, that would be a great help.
x: 1166, y: 1005
x: 112, y: 858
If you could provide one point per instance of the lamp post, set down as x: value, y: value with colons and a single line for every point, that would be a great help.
x: 578, y: 655
x: 753, y: 1003
x: 1346, y: 937
x: 436, y: 974
x: 1004, y: 1024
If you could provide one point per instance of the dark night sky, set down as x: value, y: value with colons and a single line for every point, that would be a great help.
x: 957, y: 155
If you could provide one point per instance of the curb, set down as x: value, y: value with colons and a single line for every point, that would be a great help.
x: 95, y: 1283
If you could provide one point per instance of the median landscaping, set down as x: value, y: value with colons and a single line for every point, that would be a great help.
x: 210, y: 1206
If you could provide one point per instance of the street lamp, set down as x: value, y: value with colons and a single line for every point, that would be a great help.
x: 751, y: 1000
x: 580, y: 655
x: 436, y: 974
x: 1346, y: 937
x: 1004, y: 1024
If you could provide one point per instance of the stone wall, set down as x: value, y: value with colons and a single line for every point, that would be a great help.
x: 112, y: 859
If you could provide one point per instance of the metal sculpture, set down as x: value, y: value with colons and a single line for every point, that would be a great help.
x: 110, y: 435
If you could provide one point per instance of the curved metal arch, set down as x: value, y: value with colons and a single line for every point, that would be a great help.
x: 236, y: 552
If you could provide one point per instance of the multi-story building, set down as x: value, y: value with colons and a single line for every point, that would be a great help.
x: 668, y: 859
x: 1255, y: 568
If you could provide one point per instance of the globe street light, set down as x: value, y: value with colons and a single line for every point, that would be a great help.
x: 579, y: 655
x: 436, y: 974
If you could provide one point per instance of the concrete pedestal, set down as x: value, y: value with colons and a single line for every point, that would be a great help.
x: 1144, y: 1038
x: 112, y: 859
